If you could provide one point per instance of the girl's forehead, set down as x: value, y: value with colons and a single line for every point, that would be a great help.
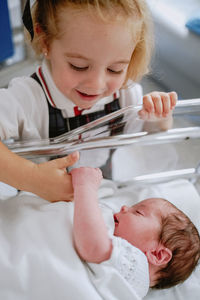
x: 69, y: 14
x: 89, y: 35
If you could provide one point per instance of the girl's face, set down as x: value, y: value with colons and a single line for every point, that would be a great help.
x: 90, y: 59
x: 140, y: 224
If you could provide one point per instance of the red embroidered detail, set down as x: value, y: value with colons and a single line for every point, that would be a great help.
x: 46, y: 87
x: 78, y: 111
x: 114, y: 96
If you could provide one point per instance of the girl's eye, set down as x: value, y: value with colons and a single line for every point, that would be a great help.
x: 115, y: 72
x: 78, y: 68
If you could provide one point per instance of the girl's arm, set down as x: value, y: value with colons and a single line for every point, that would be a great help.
x: 48, y: 180
x: 90, y: 233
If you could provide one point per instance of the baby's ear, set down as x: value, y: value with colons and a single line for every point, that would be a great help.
x: 159, y: 256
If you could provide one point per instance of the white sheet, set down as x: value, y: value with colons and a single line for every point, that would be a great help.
x: 37, y: 258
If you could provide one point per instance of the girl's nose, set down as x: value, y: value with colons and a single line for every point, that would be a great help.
x: 124, y: 209
x: 96, y: 82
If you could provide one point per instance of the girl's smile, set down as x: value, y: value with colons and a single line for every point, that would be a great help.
x: 86, y: 97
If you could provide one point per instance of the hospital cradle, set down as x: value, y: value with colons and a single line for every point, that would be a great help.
x: 142, y: 164
x: 113, y: 132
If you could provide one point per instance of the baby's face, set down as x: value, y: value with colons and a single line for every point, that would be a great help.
x: 90, y: 59
x: 140, y: 224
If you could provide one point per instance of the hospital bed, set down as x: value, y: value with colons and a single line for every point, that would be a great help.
x: 37, y: 256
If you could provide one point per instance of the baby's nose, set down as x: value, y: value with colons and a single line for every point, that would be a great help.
x: 124, y: 209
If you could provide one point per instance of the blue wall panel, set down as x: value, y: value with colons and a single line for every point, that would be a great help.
x: 6, y: 44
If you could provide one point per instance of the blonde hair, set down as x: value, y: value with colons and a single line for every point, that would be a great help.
x: 45, y: 14
x: 179, y: 235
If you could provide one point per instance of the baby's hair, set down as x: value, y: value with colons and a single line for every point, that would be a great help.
x: 180, y: 235
x: 45, y: 15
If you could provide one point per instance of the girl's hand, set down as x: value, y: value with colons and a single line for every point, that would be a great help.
x: 51, y: 181
x: 86, y: 176
x: 158, y: 104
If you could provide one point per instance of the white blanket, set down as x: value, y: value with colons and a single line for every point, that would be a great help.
x: 37, y: 257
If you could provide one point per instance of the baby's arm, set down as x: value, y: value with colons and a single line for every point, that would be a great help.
x: 48, y: 180
x: 90, y: 233
x: 159, y: 105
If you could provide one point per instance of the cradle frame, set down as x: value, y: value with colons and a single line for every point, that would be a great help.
x: 69, y: 142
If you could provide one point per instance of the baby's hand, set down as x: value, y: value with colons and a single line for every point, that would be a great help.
x: 158, y: 104
x: 86, y: 176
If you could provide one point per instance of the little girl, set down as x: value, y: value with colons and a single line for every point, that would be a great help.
x: 152, y: 243
x: 93, y: 53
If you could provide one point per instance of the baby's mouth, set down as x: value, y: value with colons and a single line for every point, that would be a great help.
x: 115, y: 219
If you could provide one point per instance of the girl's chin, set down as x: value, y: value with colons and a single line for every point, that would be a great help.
x: 84, y: 103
